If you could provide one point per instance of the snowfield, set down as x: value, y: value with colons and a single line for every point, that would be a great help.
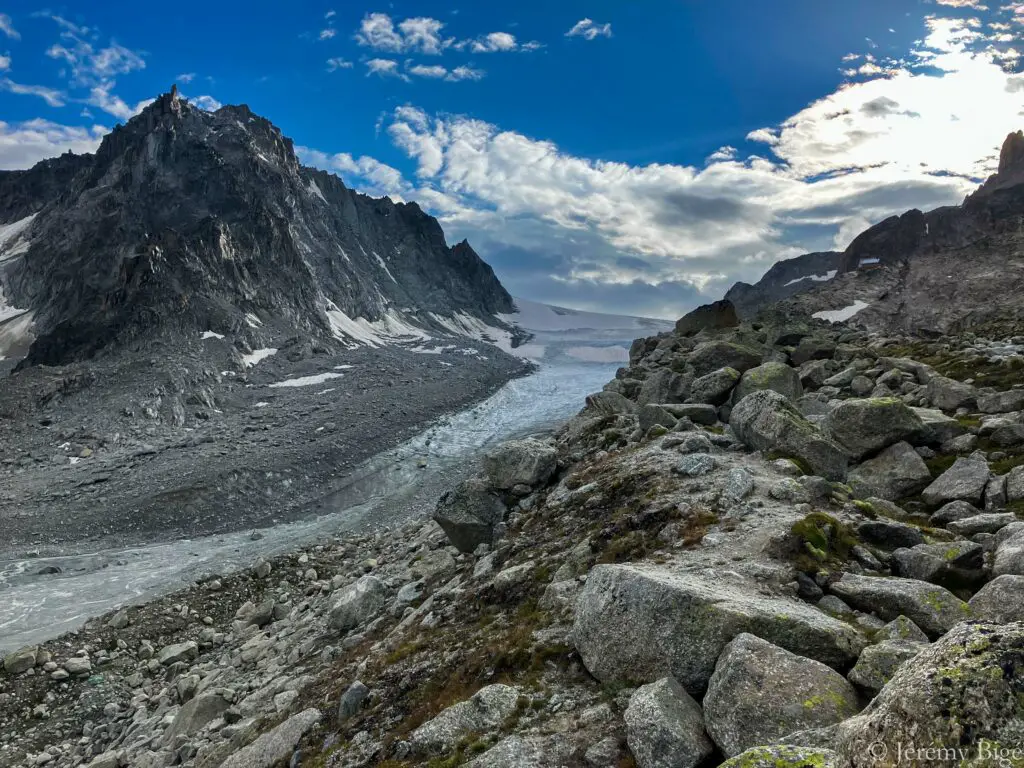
x: 816, y: 278
x: 841, y: 315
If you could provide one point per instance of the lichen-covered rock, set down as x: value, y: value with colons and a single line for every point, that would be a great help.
x: 767, y: 421
x: 698, y: 413
x: 1000, y: 601
x: 607, y: 403
x: 484, y: 711
x: 950, y: 394
x: 1009, y: 557
x: 933, y: 608
x: 665, y: 727
x: 664, y: 386
x: 895, y: 473
x: 277, y: 746
x: 527, y: 462
x: 1002, y: 402
x: 630, y: 619
x: 878, y: 663
x: 784, y: 756
x: 714, y: 388
x: 901, y: 628
x: 778, y: 377
x: 760, y: 693
x: 650, y: 415
x: 863, y: 427
x: 714, y: 355
x: 937, y: 428
x: 468, y: 514
x: 21, y: 660
x: 964, y: 481
x: 358, y: 603
x: 962, y: 690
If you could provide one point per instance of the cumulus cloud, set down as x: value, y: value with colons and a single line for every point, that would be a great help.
x: 588, y: 29
x: 384, y: 68
x: 7, y: 27
x: 497, y: 42
x: 420, y: 35
x: 5, y: 62
x: 22, y: 145
x: 103, y: 97
x: 205, y: 102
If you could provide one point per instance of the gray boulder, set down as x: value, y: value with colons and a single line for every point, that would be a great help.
x: 964, y: 481
x: 698, y: 413
x: 664, y: 386
x: 196, y: 714
x: 895, y: 473
x: 277, y: 746
x: 650, y: 415
x: 607, y: 403
x: 714, y: 355
x: 484, y: 711
x: 814, y: 372
x: 468, y: 514
x: 777, y: 377
x: 989, y: 522
x: 1002, y: 402
x: 767, y: 421
x: 714, y: 388
x: 937, y: 428
x: 922, y: 372
x: 784, y: 756
x: 358, y: 603
x: 1015, y: 484
x: 760, y: 693
x: 520, y: 462
x: 901, y: 628
x: 21, y: 660
x: 954, y: 510
x: 352, y: 700
x: 962, y: 690
x: 172, y: 654
x: 950, y: 394
x: 665, y: 727
x: 1009, y: 557
x: 630, y: 618
x: 879, y: 663
x: 933, y: 608
x: 863, y: 427
x: 1000, y: 601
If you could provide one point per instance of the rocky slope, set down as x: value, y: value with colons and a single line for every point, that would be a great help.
x: 951, y: 269
x: 186, y: 221
x: 838, y: 507
x: 786, y: 278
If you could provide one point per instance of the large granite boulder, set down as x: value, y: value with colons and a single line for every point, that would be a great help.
x: 714, y: 355
x: 964, y: 481
x: 760, y: 693
x: 636, y: 623
x: 665, y: 727
x: 1000, y: 601
x: 767, y: 421
x: 527, y: 462
x: 484, y: 711
x: 468, y: 514
x: 864, y: 427
x: 275, y: 747
x: 358, y: 603
x: 777, y: 377
x: 784, y: 756
x: 895, y: 473
x: 933, y: 608
x: 949, y: 394
x: 714, y: 388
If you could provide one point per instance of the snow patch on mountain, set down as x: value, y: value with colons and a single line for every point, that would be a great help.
x: 13, y: 238
x: 815, y: 278
x: 841, y: 315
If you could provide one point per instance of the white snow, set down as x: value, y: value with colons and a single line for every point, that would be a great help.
x: 384, y: 267
x: 257, y: 356
x: 212, y: 335
x: 253, y: 321
x: 816, y: 278
x: 869, y: 261
x: 314, y: 189
x: 74, y: 459
x: 325, y: 392
x: 12, y: 239
x: 307, y: 381
x: 262, y: 404
x: 599, y: 354
x: 393, y: 328
x: 841, y: 315
x: 343, y: 367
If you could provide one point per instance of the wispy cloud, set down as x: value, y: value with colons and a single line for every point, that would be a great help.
x: 328, y: 33
x: 7, y: 27
x: 385, y: 68
x: 5, y: 62
x: 22, y: 145
x: 51, y: 96
x: 589, y: 29
x: 336, y: 63
x: 185, y: 78
x: 437, y: 72
x: 103, y: 97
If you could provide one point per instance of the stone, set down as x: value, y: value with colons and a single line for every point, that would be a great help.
x: 106, y: 760
x: 698, y: 413
x: 1008, y: 436
x: 949, y: 394
x: 784, y: 756
x: 509, y: 578
x: 469, y: 513
x: 889, y: 534
x: 649, y: 415
x: 999, y: 601
x: 933, y: 608
x: 358, y: 603
x: 172, y: 654
x: 196, y: 714
x: 352, y: 701
x: 901, y: 628
x: 484, y: 711
x: 760, y: 693
x: 879, y: 663
x: 955, y: 563
x: 119, y: 620
x: 767, y: 421
x: 895, y: 473
x: 21, y: 660
x: 607, y: 403
x: 714, y: 355
x: 276, y: 746
x: 517, y: 751
x: 739, y: 484
x: 778, y: 377
x: 528, y: 462
x: 1015, y: 484
x: 862, y: 386
x: 961, y: 690
x: 629, y: 619
x: 954, y: 510
x: 922, y: 372
x: 813, y: 348
x: 938, y: 428
x: 985, y: 523
x: 714, y: 388
x: 964, y: 481
x: 1009, y: 557
x: 1002, y: 402
x: 664, y: 386
x: 78, y: 665
x: 695, y: 465
x: 665, y: 727
x: 716, y: 316
x: 864, y: 427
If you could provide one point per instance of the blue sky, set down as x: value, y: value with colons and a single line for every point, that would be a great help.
x: 621, y: 156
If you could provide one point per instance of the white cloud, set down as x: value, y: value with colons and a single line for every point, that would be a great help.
x: 465, y: 73
x: 185, y: 78
x: 588, y: 29
x: 327, y: 34
x: 22, y: 145
x: 336, y: 63
x: 89, y: 65
x: 5, y: 62
x: 437, y: 72
x: 722, y: 154
x: 51, y: 96
x: 384, y: 68
x: 975, y: 4
x: 420, y: 34
x: 423, y: 70
x: 103, y: 97
x: 7, y: 27
x: 207, y: 103
x: 377, y: 177
x: 330, y: 14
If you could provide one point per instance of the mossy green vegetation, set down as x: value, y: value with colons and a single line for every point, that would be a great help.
x: 822, y: 541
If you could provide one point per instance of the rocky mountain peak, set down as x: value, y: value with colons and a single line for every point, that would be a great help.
x: 1011, y: 158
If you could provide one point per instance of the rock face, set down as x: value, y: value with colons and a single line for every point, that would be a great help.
x: 710, y: 317
x: 760, y: 693
x: 960, y: 691
x: 665, y: 727
x: 629, y: 620
x: 214, y: 220
x: 785, y: 278
x: 468, y: 514
x: 520, y: 462
x: 999, y: 601
x: 767, y: 421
